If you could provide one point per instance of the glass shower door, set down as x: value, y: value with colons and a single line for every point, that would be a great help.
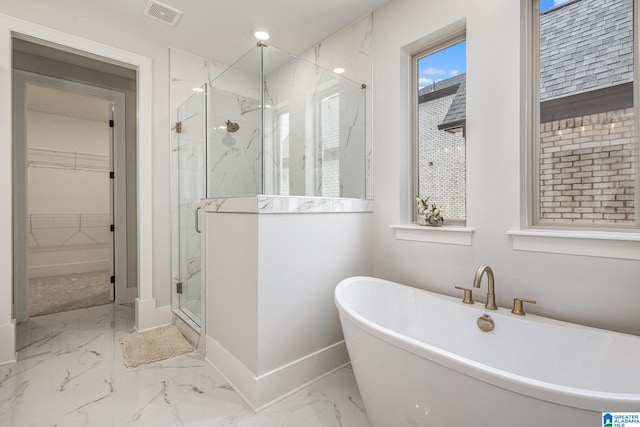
x: 190, y: 130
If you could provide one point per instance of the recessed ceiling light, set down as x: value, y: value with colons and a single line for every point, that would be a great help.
x: 338, y: 70
x: 197, y: 89
x: 261, y: 34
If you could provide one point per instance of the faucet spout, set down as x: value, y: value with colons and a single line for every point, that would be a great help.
x: 491, y: 296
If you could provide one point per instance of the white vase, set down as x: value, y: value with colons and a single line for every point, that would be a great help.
x: 422, y: 218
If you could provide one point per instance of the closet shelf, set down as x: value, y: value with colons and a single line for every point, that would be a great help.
x: 69, y: 160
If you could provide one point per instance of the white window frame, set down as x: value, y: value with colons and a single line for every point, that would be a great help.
x: 437, y: 46
x: 614, y: 242
x: 277, y: 150
x: 532, y: 76
x: 323, y: 150
x: 315, y: 151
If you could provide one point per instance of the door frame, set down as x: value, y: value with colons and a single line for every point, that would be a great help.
x: 148, y: 315
x: 21, y: 79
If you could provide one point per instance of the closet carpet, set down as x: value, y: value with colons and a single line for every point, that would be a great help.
x: 56, y: 294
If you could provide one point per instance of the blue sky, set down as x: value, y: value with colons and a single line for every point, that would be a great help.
x: 442, y: 65
x: 546, y: 4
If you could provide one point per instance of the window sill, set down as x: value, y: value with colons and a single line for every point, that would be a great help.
x: 586, y: 243
x: 451, y: 235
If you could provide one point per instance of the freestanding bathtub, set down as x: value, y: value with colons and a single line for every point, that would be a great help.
x: 420, y: 359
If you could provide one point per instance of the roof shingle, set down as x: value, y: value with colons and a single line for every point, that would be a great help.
x: 585, y: 45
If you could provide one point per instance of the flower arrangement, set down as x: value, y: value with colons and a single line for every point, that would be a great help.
x: 429, y: 215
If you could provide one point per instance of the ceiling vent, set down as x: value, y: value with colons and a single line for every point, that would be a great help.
x: 161, y: 12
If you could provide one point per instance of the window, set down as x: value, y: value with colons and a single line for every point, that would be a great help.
x: 584, y: 133
x: 330, y: 137
x: 283, y: 145
x: 439, y: 127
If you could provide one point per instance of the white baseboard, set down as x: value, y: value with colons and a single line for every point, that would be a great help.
x: 262, y: 391
x: 70, y: 268
x: 148, y: 316
x: 8, y: 343
x: 129, y: 295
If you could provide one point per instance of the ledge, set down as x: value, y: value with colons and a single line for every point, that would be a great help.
x: 585, y: 243
x: 264, y: 204
x: 450, y: 235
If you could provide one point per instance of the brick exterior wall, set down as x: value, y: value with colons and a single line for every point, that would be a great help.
x: 588, y: 168
x: 445, y: 180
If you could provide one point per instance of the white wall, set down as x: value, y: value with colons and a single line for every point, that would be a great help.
x: 231, y: 242
x: 301, y: 259
x: 62, y: 190
x: 601, y: 292
x: 272, y: 325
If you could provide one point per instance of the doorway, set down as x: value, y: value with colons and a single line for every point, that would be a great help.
x: 69, y: 152
x: 70, y: 248
x: 114, y: 63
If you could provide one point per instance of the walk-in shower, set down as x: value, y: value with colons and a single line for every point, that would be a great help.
x: 275, y: 125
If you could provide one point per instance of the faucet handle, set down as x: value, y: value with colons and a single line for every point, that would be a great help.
x: 468, y: 294
x: 518, y: 305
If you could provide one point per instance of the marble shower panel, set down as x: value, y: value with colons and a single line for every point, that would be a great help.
x: 351, y: 49
x: 235, y: 158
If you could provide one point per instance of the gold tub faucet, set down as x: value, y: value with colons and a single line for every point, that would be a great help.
x: 491, y: 296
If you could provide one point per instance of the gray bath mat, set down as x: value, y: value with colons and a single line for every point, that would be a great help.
x: 150, y: 346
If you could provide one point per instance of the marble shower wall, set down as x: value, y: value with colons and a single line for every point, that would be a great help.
x: 294, y: 158
x: 235, y: 157
x: 188, y: 72
x: 351, y: 49
x: 304, y: 92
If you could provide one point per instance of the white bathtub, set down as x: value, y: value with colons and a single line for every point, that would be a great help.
x: 420, y: 360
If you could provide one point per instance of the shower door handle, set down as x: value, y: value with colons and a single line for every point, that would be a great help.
x: 197, y: 222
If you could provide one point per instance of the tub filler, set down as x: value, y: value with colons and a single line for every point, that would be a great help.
x: 420, y: 359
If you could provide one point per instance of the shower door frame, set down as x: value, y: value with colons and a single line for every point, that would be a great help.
x: 180, y: 309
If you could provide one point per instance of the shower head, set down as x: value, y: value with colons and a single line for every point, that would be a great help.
x: 231, y: 126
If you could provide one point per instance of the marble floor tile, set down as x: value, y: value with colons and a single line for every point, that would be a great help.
x: 70, y: 372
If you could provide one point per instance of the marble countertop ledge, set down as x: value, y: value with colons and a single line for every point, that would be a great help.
x: 264, y: 204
